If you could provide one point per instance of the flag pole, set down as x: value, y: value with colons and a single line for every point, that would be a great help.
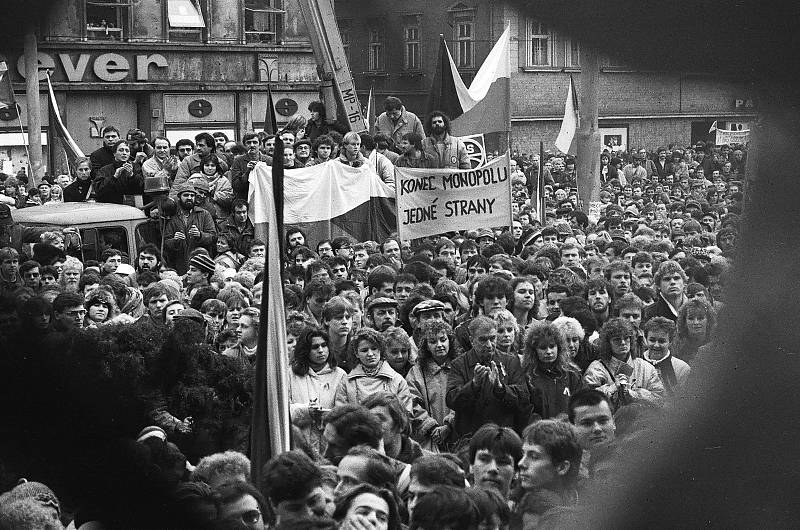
x: 540, y: 184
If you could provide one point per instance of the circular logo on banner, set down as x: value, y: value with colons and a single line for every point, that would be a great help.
x: 200, y: 108
x: 475, y: 150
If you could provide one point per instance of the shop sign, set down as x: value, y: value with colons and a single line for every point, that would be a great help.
x: 107, y: 67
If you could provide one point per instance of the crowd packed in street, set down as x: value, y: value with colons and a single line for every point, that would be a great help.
x: 484, y: 378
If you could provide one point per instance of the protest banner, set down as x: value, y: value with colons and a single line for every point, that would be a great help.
x: 738, y: 134
x: 434, y: 201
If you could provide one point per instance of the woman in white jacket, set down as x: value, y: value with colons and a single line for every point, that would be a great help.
x: 313, y: 383
x: 617, y: 373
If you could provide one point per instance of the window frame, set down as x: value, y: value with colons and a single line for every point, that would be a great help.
x: 376, y: 62
x: 275, y: 13
x: 345, y: 26
x: 123, y: 22
x: 410, y: 44
x: 543, y: 34
x: 202, y: 33
x: 571, y: 45
x: 464, y: 20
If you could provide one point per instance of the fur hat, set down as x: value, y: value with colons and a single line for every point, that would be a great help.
x: 32, y: 490
x: 183, y: 188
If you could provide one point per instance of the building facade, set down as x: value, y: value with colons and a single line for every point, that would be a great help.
x: 168, y: 67
x: 393, y: 47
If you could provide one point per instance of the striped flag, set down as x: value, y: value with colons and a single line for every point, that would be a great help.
x: 371, y: 116
x: 69, y: 146
x: 484, y: 107
x: 569, y: 125
x: 271, y: 426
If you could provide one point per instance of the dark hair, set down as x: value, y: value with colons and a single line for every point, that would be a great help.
x: 437, y: 469
x: 586, y: 398
x: 414, y: 139
x: 355, y: 425
x: 344, y: 503
x: 367, y: 141
x: 497, y: 440
x: 435, y: 114
x: 614, y: 327
x: 392, y: 103
x: 302, y: 350
x: 558, y: 439
x: 207, y: 139
x: 110, y: 128
x: 445, y: 507
x: 66, y: 300
x: 432, y: 328
x: 392, y: 403
x: 233, y: 490
x: 289, y: 476
x: 323, y: 139
x: 182, y: 142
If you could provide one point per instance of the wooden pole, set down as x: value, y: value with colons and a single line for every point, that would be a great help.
x: 588, y: 134
x: 34, y: 112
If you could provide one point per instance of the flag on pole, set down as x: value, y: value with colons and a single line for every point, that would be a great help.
x: 58, y: 129
x: 485, y: 106
x: 270, y: 120
x: 271, y: 427
x: 713, y: 127
x: 6, y: 90
x: 570, y: 123
x: 371, y: 113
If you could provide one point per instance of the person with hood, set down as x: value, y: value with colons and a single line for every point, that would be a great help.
x: 396, y: 121
x: 312, y: 384
x: 101, y: 308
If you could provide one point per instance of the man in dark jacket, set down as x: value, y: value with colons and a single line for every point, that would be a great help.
x: 243, y: 164
x: 189, y: 228
x: 485, y: 385
x: 238, y: 228
x: 105, y: 154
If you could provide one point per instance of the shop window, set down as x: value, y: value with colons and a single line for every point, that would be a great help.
x: 107, y: 19
x: 186, y: 21
x: 465, y: 42
x: 376, y: 45
x: 263, y: 20
x: 411, y: 56
x: 539, y: 43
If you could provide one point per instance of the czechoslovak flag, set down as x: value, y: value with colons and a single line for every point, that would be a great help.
x: 570, y: 123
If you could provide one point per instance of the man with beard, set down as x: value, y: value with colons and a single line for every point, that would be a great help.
x: 485, y: 385
x: 599, y: 298
x: 105, y: 154
x: 149, y: 259
x: 244, y: 164
x: 189, y: 228
x: 448, y: 151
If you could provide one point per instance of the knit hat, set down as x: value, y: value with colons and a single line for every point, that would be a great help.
x: 153, y: 431
x: 618, y: 234
x: 564, y: 229
x: 204, y: 263
x: 183, y: 188
x: 199, y: 182
x: 32, y: 490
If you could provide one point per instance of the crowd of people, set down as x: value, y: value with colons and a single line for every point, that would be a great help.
x: 486, y: 378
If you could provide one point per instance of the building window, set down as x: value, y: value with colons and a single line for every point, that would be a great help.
x: 411, y: 34
x: 539, y: 44
x: 376, y: 63
x: 465, y: 42
x: 572, y: 53
x: 262, y: 20
x: 345, y: 30
x: 107, y: 19
x: 186, y: 21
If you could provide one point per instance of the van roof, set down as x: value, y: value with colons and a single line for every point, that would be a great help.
x: 77, y: 213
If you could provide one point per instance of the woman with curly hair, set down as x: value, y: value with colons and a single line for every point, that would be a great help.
x: 367, y: 351
x: 312, y: 385
x: 523, y: 302
x: 428, y: 383
x: 552, y: 376
x: 619, y: 375
x: 696, y: 323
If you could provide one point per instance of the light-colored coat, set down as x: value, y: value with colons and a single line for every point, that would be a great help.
x: 428, y: 385
x: 319, y: 388
x: 357, y: 385
x: 645, y: 384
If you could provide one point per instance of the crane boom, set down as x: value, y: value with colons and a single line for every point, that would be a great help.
x: 331, y: 59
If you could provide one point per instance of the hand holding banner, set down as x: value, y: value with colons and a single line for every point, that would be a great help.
x: 434, y: 201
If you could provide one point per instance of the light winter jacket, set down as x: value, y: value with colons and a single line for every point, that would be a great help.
x: 645, y: 384
x: 357, y: 385
x: 319, y: 388
x: 428, y: 384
